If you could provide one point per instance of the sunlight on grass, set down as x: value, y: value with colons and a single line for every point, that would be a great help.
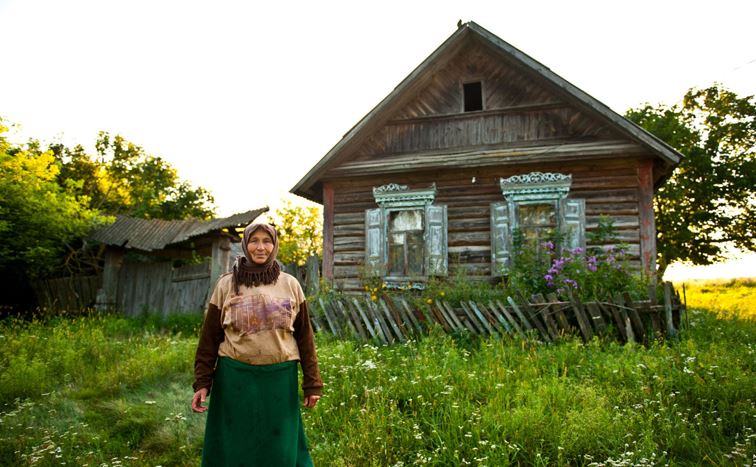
x: 726, y: 297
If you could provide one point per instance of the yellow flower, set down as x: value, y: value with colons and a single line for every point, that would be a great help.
x: 374, y: 298
x: 441, y: 294
x: 428, y: 301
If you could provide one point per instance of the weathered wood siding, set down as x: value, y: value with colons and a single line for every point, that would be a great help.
x: 609, y: 186
x: 159, y: 287
x: 517, y: 107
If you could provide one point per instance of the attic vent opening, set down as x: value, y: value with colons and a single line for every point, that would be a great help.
x: 473, y: 94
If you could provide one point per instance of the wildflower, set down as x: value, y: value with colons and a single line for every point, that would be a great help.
x: 428, y: 301
x: 577, y: 251
x: 441, y: 293
x: 549, y: 245
x: 374, y: 297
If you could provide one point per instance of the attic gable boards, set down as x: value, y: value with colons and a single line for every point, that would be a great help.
x: 520, y: 110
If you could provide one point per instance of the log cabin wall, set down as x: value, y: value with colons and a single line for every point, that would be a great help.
x: 524, y: 119
x: 609, y: 186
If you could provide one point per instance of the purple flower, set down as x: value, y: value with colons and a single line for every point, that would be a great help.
x: 570, y: 282
x: 548, y: 277
x: 549, y: 245
x: 577, y: 251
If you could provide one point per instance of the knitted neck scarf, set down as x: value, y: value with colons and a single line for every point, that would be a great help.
x: 249, y: 273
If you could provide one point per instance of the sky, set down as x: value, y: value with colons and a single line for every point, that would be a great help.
x: 244, y: 97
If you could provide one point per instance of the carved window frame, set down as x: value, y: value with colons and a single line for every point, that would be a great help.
x: 391, y: 198
x: 534, y: 188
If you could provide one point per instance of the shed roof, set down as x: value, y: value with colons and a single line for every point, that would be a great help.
x: 156, y: 234
x: 309, y: 184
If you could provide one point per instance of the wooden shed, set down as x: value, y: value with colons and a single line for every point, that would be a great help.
x: 478, y: 142
x: 166, y: 266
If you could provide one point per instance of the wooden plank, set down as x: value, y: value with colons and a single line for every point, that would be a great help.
x: 543, y: 309
x: 352, y: 315
x: 440, y: 319
x: 452, y: 314
x: 399, y: 315
x: 509, y: 327
x: 491, y: 317
x: 526, y: 311
x: 525, y: 322
x: 365, y: 319
x: 463, y: 323
x: 582, y: 319
x: 411, y: 315
x: 558, y: 312
x: 328, y: 229
x: 646, y: 217
x: 392, y: 322
x: 595, y: 314
x: 343, y: 317
x: 330, y: 319
x: 638, y: 327
x: 671, y: 331
x: 442, y: 311
x: 474, y: 326
x: 378, y: 324
x: 616, y: 315
x: 483, y: 319
x: 515, y: 323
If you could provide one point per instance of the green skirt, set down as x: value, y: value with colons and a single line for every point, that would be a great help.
x: 254, y: 417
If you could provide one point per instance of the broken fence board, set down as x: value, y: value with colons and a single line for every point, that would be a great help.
x: 525, y: 323
x: 512, y: 321
x: 483, y: 319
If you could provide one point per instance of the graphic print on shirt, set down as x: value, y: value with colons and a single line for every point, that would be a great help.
x: 256, y: 313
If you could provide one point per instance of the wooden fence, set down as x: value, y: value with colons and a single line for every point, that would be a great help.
x: 393, y: 319
x: 67, y: 293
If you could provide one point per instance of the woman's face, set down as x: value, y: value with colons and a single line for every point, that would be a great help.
x: 260, y: 246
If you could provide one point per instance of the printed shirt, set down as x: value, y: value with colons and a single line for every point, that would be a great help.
x: 258, y: 324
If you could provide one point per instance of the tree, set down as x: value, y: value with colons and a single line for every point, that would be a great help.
x: 124, y: 179
x: 709, y: 200
x: 40, y: 220
x: 300, y: 232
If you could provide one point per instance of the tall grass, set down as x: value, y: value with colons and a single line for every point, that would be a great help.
x: 730, y: 297
x: 104, y: 390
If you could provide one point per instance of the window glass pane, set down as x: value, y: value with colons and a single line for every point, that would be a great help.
x: 415, y: 258
x: 402, y: 221
x: 396, y: 259
x: 543, y: 214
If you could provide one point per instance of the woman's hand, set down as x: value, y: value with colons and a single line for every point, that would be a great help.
x: 310, y: 401
x: 199, y: 399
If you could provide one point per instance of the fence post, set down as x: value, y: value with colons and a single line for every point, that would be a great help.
x: 312, y: 275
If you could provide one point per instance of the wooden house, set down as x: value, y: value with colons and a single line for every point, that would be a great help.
x: 166, y: 266
x: 478, y: 142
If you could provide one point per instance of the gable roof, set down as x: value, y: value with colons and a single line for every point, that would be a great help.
x: 156, y: 234
x: 308, y: 186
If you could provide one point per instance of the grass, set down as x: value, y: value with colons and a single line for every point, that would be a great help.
x: 731, y: 297
x: 105, y: 390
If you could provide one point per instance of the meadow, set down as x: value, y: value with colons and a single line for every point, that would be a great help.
x: 106, y: 390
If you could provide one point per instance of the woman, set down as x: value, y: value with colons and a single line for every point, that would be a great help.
x: 255, y: 331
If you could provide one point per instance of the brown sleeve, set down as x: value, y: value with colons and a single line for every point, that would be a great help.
x: 210, y: 339
x: 311, y: 382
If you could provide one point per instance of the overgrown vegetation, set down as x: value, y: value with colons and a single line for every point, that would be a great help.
x: 106, y: 390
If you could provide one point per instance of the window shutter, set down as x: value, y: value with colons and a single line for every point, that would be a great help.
x: 436, y: 245
x: 573, y: 223
x: 501, y: 239
x: 374, y: 242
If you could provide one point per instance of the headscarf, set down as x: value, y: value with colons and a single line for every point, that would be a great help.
x: 249, y: 273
